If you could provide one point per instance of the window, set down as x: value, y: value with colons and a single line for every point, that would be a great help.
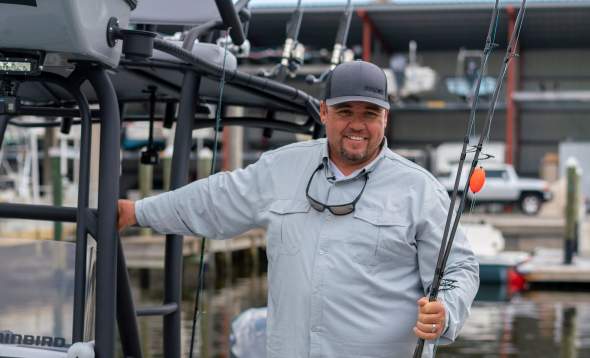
x: 500, y: 174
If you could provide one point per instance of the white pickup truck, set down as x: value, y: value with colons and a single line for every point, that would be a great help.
x: 503, y: 186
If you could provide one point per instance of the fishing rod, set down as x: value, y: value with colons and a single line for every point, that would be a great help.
x: 229, y: 16
x: 445, y: 248
x: 339, y: 49
x: 201, y: 276
x: 293, y: 50
x: 291, y: 59
x: 261, y: 84
x: 240, y: 21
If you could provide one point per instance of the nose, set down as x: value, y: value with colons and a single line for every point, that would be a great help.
x: 356, y: 122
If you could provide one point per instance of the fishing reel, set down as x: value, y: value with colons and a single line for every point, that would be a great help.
x: 312, y: 80
x: 340, y: 54
x: 241, y: 51
x: 293, y: 56
x: 291, y: 60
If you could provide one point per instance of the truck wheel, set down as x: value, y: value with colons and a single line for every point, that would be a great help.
x: 530, y: 203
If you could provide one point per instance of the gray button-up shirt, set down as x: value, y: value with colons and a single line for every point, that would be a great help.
x: 339, y: 286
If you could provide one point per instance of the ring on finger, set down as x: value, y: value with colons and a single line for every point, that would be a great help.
x: 433, y: 327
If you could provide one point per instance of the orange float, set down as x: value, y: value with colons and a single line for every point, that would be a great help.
x: 478, y: 179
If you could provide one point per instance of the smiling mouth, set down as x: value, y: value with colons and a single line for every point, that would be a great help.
x: 355, y: 138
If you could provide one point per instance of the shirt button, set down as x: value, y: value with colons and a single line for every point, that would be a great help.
x: 322, y: 252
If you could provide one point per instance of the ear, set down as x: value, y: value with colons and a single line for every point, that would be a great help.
x: 386, y: 117
x: 323, y: 112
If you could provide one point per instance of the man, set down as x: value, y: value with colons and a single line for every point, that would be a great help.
x: 353, y: 232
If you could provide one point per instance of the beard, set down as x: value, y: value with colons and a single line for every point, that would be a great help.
x: 354, y: 157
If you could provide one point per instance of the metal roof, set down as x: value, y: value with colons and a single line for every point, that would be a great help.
x: 435, y: 25
x: 376, y: 4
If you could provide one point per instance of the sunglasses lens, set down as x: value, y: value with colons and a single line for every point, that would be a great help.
x: 316, y: 205
x: 341, y: 209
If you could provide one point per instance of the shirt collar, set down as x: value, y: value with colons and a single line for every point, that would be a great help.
x: 366, y: 169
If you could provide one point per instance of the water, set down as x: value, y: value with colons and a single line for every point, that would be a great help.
x: 219, y: 306
x: 532, y: 324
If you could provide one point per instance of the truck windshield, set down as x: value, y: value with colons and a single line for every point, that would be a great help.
x: 500, y: 174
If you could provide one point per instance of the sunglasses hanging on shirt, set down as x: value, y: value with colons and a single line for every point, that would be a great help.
x: 340, y: 209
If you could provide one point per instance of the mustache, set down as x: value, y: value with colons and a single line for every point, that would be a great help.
x: 356, y: 134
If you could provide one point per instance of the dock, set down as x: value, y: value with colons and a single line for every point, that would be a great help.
x: 518, y: 225
x: 546, y: 267
x: 147, y: 252
x: 528, y: 233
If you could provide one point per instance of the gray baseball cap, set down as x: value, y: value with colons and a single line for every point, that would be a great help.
x: 357, y: 81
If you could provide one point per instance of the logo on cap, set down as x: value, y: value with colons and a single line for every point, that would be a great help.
x: 373, y: 89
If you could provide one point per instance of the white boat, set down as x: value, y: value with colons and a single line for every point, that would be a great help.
x: 496, y: 265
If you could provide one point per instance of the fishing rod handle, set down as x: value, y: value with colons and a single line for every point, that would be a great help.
x: 419, y: 348
x: 420, y: 344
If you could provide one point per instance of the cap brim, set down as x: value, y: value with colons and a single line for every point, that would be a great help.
x: 379, y: 102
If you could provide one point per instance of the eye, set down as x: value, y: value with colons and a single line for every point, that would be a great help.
x: 344, y: 112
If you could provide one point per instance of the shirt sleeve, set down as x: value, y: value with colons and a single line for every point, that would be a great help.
x: 461, y: 275
x: 220, y: 206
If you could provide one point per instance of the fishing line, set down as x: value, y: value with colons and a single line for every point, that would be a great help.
x: 510, y: 53
x: 488, y: 49
x: 473, y: 203
x: 490, y: 45
x: 197, y: 310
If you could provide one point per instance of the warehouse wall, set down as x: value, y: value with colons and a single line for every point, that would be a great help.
x: 541, y: 126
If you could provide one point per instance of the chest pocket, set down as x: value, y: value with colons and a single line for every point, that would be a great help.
x: 286, y: 229
x: 387, y: 238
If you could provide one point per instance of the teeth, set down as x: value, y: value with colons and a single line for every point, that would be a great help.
x: 355, y: 137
